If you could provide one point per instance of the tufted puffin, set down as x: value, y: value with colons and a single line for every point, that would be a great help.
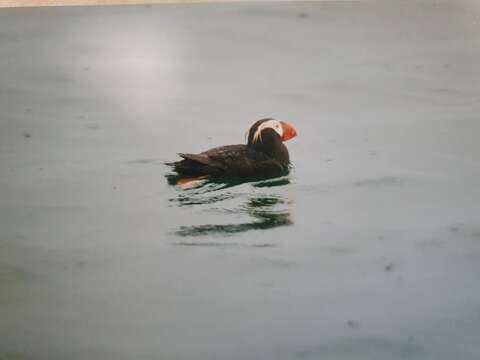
x: 264, y: 155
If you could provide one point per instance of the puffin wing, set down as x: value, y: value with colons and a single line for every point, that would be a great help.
x: 230, y: 160
x: 197, y: 165
x: 241, y: 160
x: 201, y: 159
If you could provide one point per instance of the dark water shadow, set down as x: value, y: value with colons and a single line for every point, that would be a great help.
x: 266, y: 209
x: 261, y: 209
x: 226, y: 182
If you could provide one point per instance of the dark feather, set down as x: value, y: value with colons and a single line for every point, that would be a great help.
x: 268, y: 158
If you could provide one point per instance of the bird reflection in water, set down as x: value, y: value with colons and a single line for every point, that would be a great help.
x: 266, y: 210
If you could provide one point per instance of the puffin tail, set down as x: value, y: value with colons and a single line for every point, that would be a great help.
x: 194, y: 165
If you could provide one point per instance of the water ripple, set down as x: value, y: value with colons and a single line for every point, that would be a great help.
x: 264, y: 207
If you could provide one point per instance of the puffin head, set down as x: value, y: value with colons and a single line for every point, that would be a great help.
x: 257, y: 131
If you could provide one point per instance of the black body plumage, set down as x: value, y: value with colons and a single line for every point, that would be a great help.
x: 265, y: 156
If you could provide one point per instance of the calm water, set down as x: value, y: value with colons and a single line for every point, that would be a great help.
x: 370, y: 247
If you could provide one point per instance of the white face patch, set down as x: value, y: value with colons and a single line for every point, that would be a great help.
x: 272, y: 124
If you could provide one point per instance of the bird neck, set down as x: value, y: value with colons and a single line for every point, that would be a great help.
x: 271, y: 145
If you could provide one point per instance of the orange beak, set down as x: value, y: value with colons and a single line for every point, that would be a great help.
x: 288, y: 131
